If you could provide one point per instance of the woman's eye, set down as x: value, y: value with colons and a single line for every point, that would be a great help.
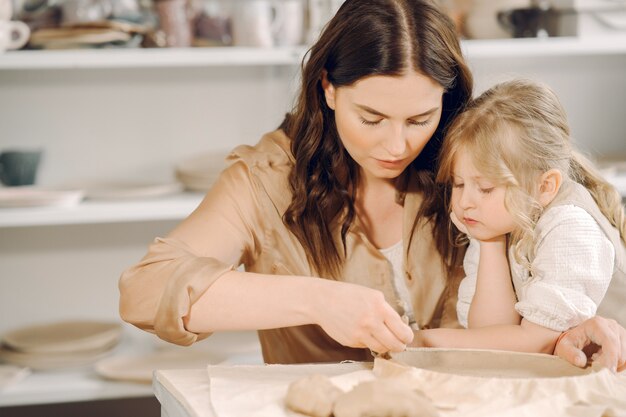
x: 418, y: 123
x: 457, y: 185
x: 369, y: 123
x: 486, y: 190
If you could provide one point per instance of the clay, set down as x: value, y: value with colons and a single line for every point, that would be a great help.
x: 385, y: 397
x: 313, y: 396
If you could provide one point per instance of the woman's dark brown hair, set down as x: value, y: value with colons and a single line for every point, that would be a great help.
x: 366, y: 38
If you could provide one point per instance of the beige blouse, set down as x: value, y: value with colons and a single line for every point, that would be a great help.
x: 245, y: 208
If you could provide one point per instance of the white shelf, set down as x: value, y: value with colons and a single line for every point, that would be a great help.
x: 243, y: 56
x: 150, y: 58
x: 84, y: 384
x: 90, y: 212
x: 547, y: 47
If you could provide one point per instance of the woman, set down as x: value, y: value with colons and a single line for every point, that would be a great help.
x: 343, y: 191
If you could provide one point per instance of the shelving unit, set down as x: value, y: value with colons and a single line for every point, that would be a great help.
x: 84, y: 384
x: 149, y: 58
x: 548, y: 47
x: 93, y: 212
x: 76, y: 72
x: 242, y: 56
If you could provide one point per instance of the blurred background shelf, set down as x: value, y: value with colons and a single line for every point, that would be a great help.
x: 150, y: 58
x: 92, y: 212
x: 547, y: 47
x: 244, y: 56
x: 84, y: 384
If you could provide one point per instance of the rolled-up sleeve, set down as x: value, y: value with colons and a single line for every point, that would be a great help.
x: 571, y: 271
x: 467, y: 288
x: 158, y: 292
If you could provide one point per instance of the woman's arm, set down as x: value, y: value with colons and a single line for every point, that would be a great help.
x: 525, y: 337
x: 186, y: 285
x: 353, y: 315
x: 494, y: 299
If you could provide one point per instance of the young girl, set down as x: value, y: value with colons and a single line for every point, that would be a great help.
x: 546, y: 231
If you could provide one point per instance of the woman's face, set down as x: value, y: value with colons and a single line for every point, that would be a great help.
x: 384, y: 122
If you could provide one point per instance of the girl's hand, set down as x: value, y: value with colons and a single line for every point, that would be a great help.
x: 359, y: 317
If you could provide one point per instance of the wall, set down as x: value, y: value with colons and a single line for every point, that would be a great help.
x: 135, y: 124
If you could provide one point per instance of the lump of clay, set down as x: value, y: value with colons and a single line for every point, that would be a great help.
x: 313, y: 395
x: 384, y: 398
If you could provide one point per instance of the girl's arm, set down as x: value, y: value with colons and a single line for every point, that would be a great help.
x: 525, y: 337
x: 494, y: 298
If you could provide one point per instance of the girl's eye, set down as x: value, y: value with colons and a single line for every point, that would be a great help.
x: 486, y: 190
x: 417, y: 123
x: 369, y: 123
x: 457, y: 185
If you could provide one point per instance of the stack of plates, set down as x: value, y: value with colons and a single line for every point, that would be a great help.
x: 200, y: 172
x: 58, y: 345
x: 131, y: 190
x: 32, y: 196
x: 139, y: 368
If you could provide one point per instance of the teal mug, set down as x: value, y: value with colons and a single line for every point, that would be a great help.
x: 19, y: 167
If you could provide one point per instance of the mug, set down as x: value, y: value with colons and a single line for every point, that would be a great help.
x: 256, y: 22
x: 291, y: 28
x: 529, y: 22
x: 6, y: 10
x: 319, y: 13
x: 175, y: 22
x: 13, y: 35
x: 481, y: 21
x: 19, y: 167
x: 84, y: 11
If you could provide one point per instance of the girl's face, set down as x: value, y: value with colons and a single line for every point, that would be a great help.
x: 478, y: 202
x: 384, y: 122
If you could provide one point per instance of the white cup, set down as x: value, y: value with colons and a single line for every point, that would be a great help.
x: 255, y: 22
x: 319, y: 13
x: 482, y: 18
x: 6, y: 10
x: 13, y: 35
x: 82, y: 11
x: 291, y: 30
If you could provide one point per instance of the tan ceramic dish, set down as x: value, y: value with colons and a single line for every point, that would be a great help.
x: 64, y: 337
x: 488, y: 363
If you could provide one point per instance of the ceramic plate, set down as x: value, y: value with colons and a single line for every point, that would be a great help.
x: 125, y: 191
x: 34, y: 197
x: 139, y: 368
x: 11, y: 374
x: 488, y: 363
x: 63, y: 337
x: 50, y: 361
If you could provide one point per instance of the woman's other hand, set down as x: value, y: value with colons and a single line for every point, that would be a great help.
x: 598, y: 339
x: 359, y: 317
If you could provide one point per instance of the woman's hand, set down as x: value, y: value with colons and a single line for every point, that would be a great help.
x: 359, y: 317
x: 598, y: 339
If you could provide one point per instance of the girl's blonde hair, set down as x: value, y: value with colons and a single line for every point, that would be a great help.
x: 515, y: 132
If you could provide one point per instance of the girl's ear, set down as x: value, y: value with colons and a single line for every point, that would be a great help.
x: 549, y: 185
x: 329, y: 90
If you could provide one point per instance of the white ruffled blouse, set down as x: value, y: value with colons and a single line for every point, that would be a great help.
x: 572, y: 269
